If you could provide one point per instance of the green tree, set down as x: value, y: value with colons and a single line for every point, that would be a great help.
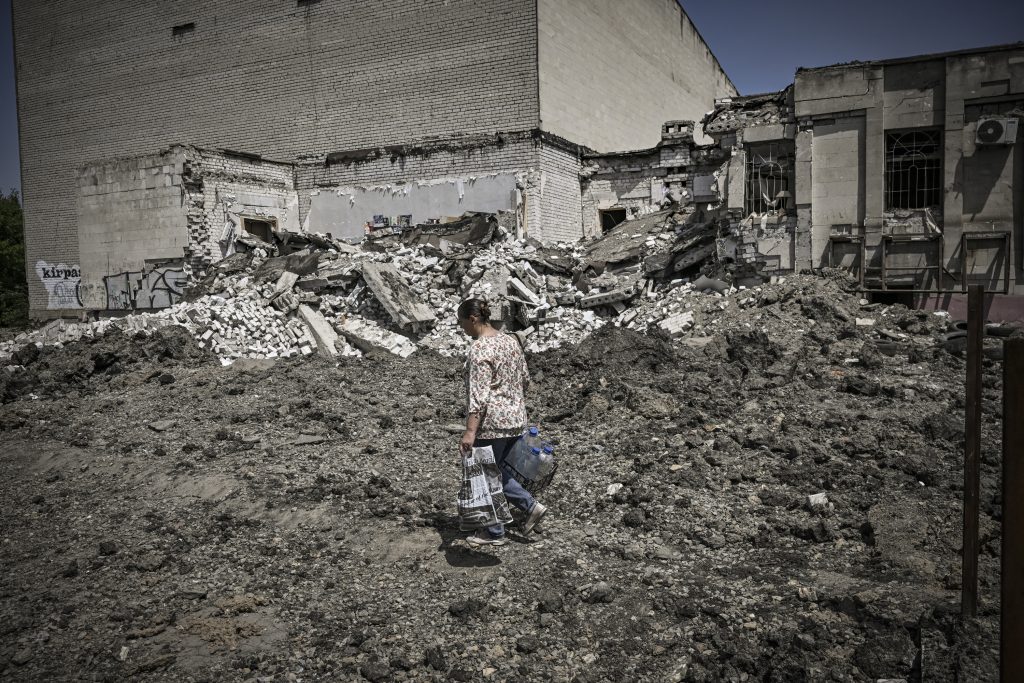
x: 13, y: 288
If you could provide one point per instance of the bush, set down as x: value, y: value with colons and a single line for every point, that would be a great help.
x: 13, y: 288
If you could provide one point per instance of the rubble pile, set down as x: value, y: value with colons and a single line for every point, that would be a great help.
x: 403, y: 289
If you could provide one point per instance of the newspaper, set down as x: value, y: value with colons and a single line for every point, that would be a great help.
x: 481, y: 501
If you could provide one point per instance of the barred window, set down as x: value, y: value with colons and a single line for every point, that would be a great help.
x: 769, y: 177
x: 913, y: 169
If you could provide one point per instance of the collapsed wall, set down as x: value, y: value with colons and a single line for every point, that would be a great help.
x: 350, y: 193
x: 399, y: 290
x: 149, y: 225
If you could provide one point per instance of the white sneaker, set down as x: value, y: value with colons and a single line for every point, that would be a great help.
x: 537, y: 513
x: 484, y: 538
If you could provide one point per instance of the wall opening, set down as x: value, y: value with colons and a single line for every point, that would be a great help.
x: 183, y: 29
x: 913, y: 169
x: 260, y: 227
x: 769, y: 177
x: 611, y: 217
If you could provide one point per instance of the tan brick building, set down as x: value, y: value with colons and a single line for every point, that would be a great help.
x: 419, y: 109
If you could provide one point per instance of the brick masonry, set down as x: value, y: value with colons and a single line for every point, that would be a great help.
x: 107, y: 79
x: 560, y: 201
x: 550, y: 187
x: 612, y: 72
x: 111, y: 198
x: 104, y: 79
x: 163, y: 217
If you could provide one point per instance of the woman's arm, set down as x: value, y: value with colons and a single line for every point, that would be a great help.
x: 481, y: 374
x: 469, y: 436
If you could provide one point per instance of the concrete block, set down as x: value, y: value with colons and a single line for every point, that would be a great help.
x: 365, y: 336
x: 322, y: 332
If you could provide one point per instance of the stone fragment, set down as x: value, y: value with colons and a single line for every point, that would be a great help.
x: 599, y: 592
x: 434, y: 657
x: 323, y: 334
x: 367, y: 336
x: 817, y: 501
x: 394, y: 293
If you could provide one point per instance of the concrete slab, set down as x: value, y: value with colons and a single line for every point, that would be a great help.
x: 366, y: 336
x: 321, y: 331
x: 394, y: 293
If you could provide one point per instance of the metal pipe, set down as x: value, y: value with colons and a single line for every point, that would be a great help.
x: 972, y: 449
x: 1011, y: 632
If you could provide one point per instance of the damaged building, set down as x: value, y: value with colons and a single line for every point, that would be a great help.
x: 378, y: 116
x: 904, y: 172
x: 563, y: 118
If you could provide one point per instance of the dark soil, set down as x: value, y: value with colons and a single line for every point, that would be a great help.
x: 169, y: 519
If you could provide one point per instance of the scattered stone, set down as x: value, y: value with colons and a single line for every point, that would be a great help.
x: 549, y: 601
x: 599, y: 592
x: 308, y: 439
x: 108, y: 548
x: 375, y: 671
x: 461, y: 674
x: 434, y: 656
x: 162, y: 425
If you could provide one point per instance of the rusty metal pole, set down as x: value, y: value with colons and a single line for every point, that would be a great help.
x: 972, y: 450
x: 1011, y: 632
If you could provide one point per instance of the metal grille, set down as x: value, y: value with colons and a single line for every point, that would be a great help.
x: 913, y: 169
x: 769, y: 169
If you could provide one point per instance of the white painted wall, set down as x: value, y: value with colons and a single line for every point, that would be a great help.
x: 612, y: 72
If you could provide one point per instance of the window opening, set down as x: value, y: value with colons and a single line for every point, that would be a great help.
x: 913, y: 169
x: 611, y: 217
x: 183, y: 29
x: 769, y: 171
x: 264, y: 229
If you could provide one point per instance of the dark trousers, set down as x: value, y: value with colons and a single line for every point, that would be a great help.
x: 514, y: 491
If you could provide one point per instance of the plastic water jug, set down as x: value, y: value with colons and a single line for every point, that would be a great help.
x: 531, y: 461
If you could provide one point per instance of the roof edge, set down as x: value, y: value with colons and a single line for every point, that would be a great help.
x: 679, y: 4
x: 1005, y: 47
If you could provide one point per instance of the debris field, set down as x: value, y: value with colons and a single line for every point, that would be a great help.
x: 758, y: 484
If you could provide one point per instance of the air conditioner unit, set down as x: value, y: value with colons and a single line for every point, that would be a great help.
x: 996, y: 131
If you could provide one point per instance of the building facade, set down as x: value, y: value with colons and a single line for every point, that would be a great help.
x: 908, y: 173
x: 386, y: 109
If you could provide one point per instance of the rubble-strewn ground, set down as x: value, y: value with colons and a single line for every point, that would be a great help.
x: 167, y: 518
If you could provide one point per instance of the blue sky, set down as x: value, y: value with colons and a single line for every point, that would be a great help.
x: 760, y: 44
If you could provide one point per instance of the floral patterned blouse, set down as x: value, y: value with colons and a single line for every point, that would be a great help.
x: 496, y: 379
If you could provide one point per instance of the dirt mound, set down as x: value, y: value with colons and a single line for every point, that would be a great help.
x: 88, y: 364
x: 726, y: 508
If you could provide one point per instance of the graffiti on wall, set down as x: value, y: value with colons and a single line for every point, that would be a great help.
x: 63, y: 284
x: 154, y: 287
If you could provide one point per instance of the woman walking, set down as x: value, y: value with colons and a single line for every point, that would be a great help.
x: 496, y: 378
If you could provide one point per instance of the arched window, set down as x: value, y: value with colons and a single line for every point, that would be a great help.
x: 769, y: 168
x: 913, y: 169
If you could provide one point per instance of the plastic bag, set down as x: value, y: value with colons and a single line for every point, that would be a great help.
x: 481, y: 500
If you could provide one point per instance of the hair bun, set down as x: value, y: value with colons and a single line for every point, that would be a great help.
x: 485, y: 310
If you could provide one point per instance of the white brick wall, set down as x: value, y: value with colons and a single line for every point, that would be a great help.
x: 129, y: 210
x: 106, y: 78
x: 232, y: 188
x: 561, y: 203
x: 611, y: 72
